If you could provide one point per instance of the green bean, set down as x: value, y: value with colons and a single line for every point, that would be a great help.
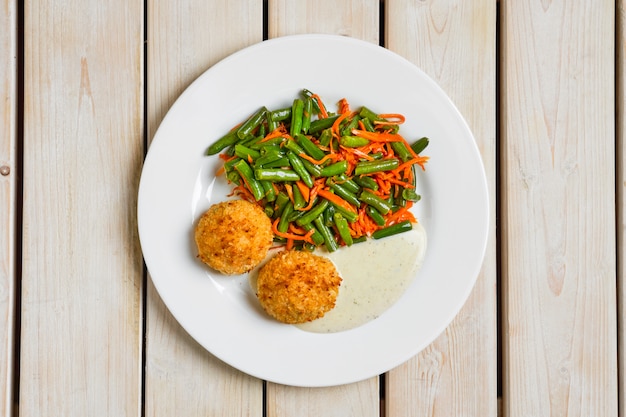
x: 401, y: 150
x: 369, y: 167
x: 359, y: 239
x: 410, y: 195
x: 375, y: 215
x: 350, y: 185
x: 326, y: 136
x: 373, y: 200
x: 353, y: 141
x: 343, y: 229
x: 394, y: 229
x: 351, y: 216
x: 309, y: 147
x: 283, y: 223
x: 229, y: 165
x: 281, y: 114
x: 328, y: 215
x: 306, y: 114
x: 246, y: 153
x: 329, y: 239
x: 298, y: 166
x: 316, y: 236
x: 334, y: 169
x: 272, y: 123
x: 351, y: 124
x: 269, y: 142
x: 420, y: 145
x: 298, y: 199
x: 222, y: 143
x: 234, y: 177
x: 250, y: 124
x: 268, y: 191
x: 293, y: 146
x: 313, y: 169
x: 281, y: 200
x: 247, y: 175
x: 296, y: 117
x: 295, y: 215
x: 369, y: 126
x: 368, y: 114
x: 268, y: 157
x: 275, y: 175
x: 283, y: 162
x: 268, y: 210
x: 313, y: 213
x: 366, y: 182
x: 344, y: 193
x: 320, y: 124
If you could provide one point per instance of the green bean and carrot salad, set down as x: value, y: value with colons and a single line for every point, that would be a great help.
x: 324, y: 178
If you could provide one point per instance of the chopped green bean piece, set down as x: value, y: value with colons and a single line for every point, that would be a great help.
x: 375, y: 201
x: 394, y: 229
x: 369, y: 167
x: 420, y: 145
x: 270, y: 174
x: 337, y: 168
x: 250, y: 124
x: 343, y: 229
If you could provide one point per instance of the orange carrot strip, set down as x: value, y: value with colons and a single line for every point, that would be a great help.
x: 333, y: 198
x: 320, y: 104
x: 377, y: 136
x: 279, y: 131
x: 315, y: 161
x: 344, y: 106
x: 291, y: 236
x: 289, y: 191
x: 304, y: 190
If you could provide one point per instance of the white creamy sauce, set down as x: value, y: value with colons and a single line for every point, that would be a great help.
x: 375, y: 275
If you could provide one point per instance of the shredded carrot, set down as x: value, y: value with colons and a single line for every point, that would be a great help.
x: 289, y: 192
x: 377, y: 136
x: 334, y: 198
x: 304, y: 190
x: 315, y: 161
x: 320, y: 104
x: 276, y: 133
x: 344, y: 106
x: 292, y: 236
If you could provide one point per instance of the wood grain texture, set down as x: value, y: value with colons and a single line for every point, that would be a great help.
x: 358, y: 19
x: 620, y: 135
x: 8, y: 191
x: 558, y: 184
x: 81, y: 333
x: 354, y: 18
x: 455, y: 43
x: 185, y: 39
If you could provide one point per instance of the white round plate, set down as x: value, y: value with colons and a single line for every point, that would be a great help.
x: 178, y: 184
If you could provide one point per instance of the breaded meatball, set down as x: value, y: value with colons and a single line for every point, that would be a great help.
x: 296, y: 286
x: 233, y: 236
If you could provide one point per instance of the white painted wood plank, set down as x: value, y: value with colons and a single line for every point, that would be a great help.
x: 358, y: 19
x: 81, y: 329
x: 185, y: 39
x: 455, y: 43
x: 8, y: 195
x: 620, y: 101
x: 558, y: 210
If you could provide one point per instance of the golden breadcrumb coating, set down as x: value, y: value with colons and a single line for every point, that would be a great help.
x: 233, y: 236
x: 296, y: 286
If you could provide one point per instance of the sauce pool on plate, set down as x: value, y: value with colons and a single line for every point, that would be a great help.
x: 375, y: 275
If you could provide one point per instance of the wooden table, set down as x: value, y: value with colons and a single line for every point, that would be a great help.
x: 85, y: 84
